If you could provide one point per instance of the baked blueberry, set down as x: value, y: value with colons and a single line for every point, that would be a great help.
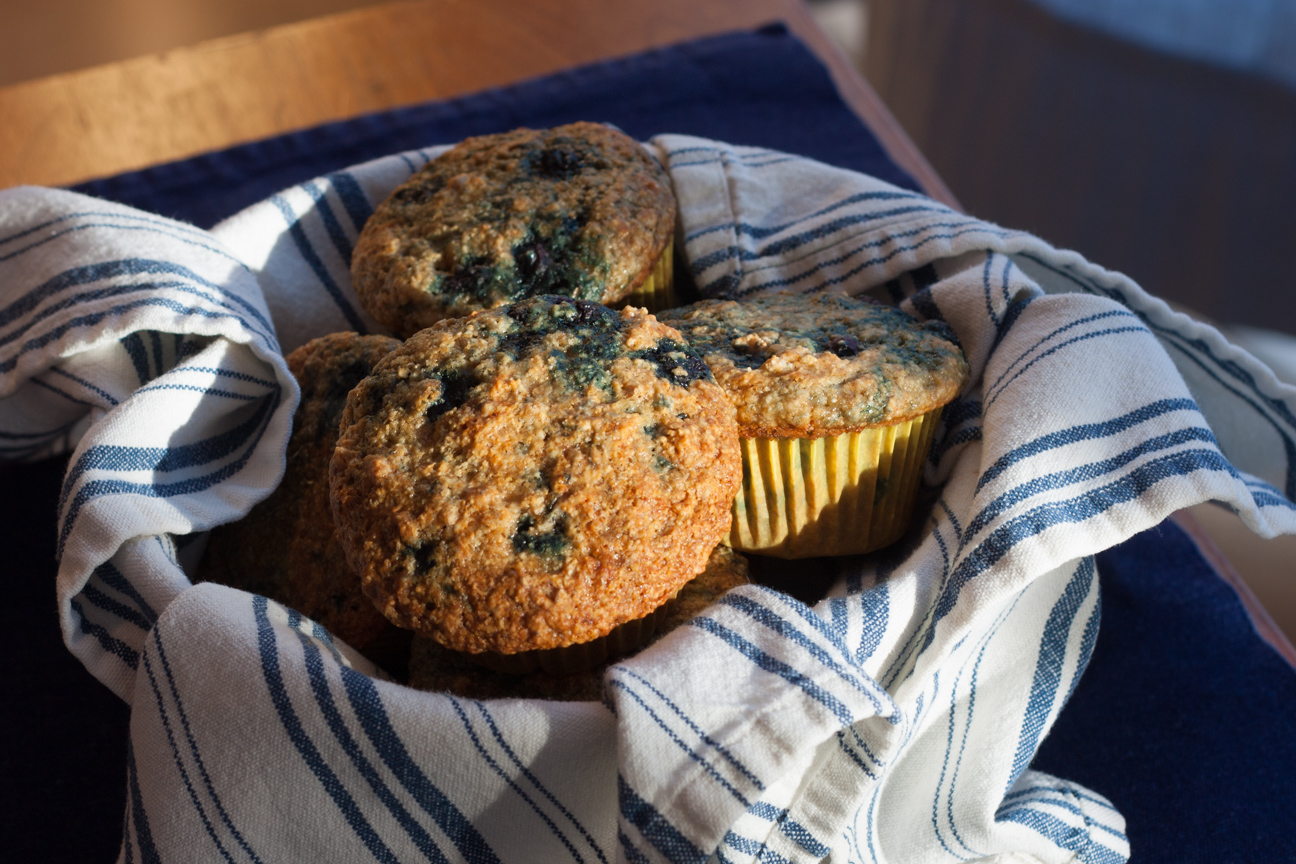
x: 525, y: 508
x: 579, y: 210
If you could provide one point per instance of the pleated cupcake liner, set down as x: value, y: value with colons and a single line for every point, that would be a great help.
x: 657, y: 291
x: 838, y: 495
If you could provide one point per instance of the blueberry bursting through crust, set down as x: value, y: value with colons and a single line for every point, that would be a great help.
x: 532, y: 476
x: 579, y: 211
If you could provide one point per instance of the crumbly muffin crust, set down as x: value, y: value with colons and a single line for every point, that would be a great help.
x: 725, y: 569
x: 815, y: 365
x: 286, y: 548
x: 532, y: 476
x: 435, y: 668
x: 579, y: 210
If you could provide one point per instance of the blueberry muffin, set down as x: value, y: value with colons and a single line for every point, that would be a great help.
x: 533, y: 476
x: 435, y: 668
x: 580, y: 211
x: 837, y: 401
x: 285, y: 548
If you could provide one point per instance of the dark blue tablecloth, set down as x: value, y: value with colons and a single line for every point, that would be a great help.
x: 763, y: 89
x: 1185, y: 719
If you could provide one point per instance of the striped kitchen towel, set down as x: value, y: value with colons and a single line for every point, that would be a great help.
x: 895, y: 720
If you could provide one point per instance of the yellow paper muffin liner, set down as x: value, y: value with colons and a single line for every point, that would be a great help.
x: 657, y: 291
x: 571, y: 659
x: 840, y: 495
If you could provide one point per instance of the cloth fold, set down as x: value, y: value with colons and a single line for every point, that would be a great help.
x: 895, y: 720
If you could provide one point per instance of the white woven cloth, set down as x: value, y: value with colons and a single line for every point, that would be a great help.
x: 894, y: 721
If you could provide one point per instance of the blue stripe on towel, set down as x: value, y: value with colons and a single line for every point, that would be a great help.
x: 120, y: 610
x: 781, y: 248
x: 984, y: 641
x: 630, y: 851
x: 985, y: 289
x: 777, y: 667
x: 1040, y: 341
x: 768, y: 618
x: 167, y: 229
x: 337, y: 234
x: 655, y: 828
x: 93, y: 319
x: 1071, y: 511
x: 193, y: 748
x: 512, y: 783
x: 207, y: 391
x: 113, y: 578
x: 760, y: 232
x: 122, y: 269
x: 117, y: 457
x: 333, y: 718
x: 133, y: 345
x: 302, y: 742
x: 1065, y: 836
x: 229, y: 373
x: 710, y: 289
x: 179, y: 764
x: 106, y: 640
x: 794, y: 831
x: 535, y: 781
x: 312, y: 259
x: 93, y: 489
x: 1049, y: 665
x: 1087, y: 472
x: 696, y: 729
x: 1196, y: 350
x: 679, y: 742
x: 365, y: 701
x: 57, y: 391
x: 98, y: 391
x: 138, y: 815
x: 353, y: 198
x: 1111, y: 331
x: 1083, y: 432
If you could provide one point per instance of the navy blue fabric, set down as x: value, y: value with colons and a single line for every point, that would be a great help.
x: 1185, y: 718
x: 63, y: 734
x: 762, y: 89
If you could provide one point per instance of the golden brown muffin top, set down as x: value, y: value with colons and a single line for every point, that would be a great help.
x: 580, y: 210
x: 440, y: 669
x: 814, y: 365
x: 532, y: 476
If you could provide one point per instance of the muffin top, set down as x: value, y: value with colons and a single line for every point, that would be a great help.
x: 579, y: 210
x: 532, y: 476
x: 814, y: 365
x: 432, y: 667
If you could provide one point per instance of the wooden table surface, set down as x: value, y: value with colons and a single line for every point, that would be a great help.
x: 127, y: 115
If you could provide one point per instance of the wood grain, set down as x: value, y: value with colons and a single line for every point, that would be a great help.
x: 158, y: 108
